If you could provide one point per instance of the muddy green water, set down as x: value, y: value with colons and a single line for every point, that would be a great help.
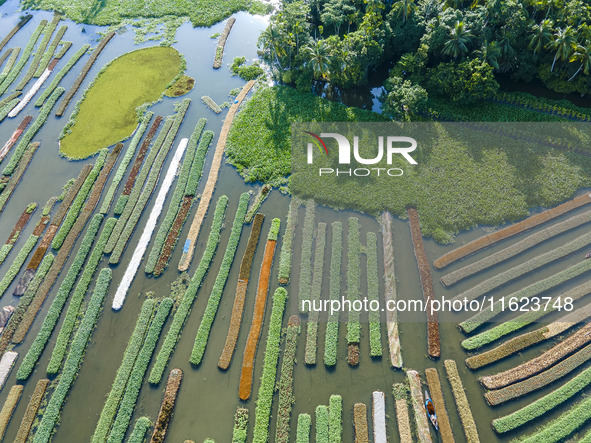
x: 208, y: 397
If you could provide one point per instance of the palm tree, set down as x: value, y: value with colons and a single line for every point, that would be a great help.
x: 583, y: 54
x: 490, y: 53
x: 562, y: 44
x: 270, y: 40
x: 542, y: 34
x: 405, y: 7
x: 457, y: 45
x: 318, y: 59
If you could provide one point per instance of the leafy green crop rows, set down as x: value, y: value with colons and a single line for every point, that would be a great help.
x: 322, y: 424
x: 211, y: 104
x: 220, y: 282
x: 315, y: 295
x: 18, y: 262
x: 304, y: 286
x: 303, y: 429
x: 286, y: 398
x: 331, y: 339
x: 140, y: 429
x: 353, y: 263
x: 184, y: 308
x: 373, y: 293
x: 48, y: 54
x: 51, y: 415
x: 240, y: 431
x: 285, y: 255
x: 335, y: 419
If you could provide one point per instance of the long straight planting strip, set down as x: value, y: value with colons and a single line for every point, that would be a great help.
x: 31, y: 412
x: 303, y: 428
x: 134, y: 384
x: 184, y: 308
x: 47, y: 56
x: 23, y: 21
x: 400, y: 392
x: 502, y: 278
x: 240, y: 431
x: 445, y: 431
x: 219, y: 51
x: 220, y: 282
x: 142, y: 245
x: 516, y: 248
x: 246, y: 374
x: 417, y: 402
x: 509, y: 231
x: 16, y: 231
x: 315, y: 296
x: 360, y: 423
x: 18, y: 174
x: 353, y: 282
x: 130, y: 355
x: 457, y: 388
x: 68, y: 325
x: 57, y: 306
x: 15, y: 136
x: 286, y: 246
x: 286, y: 398
x: 532, y: 290
x: 331, y: 338
x: 240, y: 297
x: 305, y: 275
x: 18, y: 262
x: 167, y: 407
x: 264, y: 402
x: 140, y: 429
x: 8, y: 407
x: 51, y: 415
x: 177, y: 196
x: 373, y: 294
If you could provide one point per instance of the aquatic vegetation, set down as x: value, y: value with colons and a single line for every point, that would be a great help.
x: 175, y: 201
x: 240, y: 297
x: 211, y: 104
x: 125, y: 161
x: 141, y: 427
x: 140, y: 366
x: 315, y: 295
x: 180, y: 87
x: 83, y: 73
x: 15, y: 136
x: 258, y: 201
x: 244, y: 71
x: 331, y: 338
x: 556, y: 372
x: 22, y: 22
x: 184, y: 308
x: 360, y: 423
x: 240, y: 431
x: 286, y: 397
x: 322, y: 424
x: 457, y: 388
x: 28, y: 136
x: 303, y: 428
x: 335, y: 418
x: 258, y: 316
x: 373, y: 293
x: 400, y: 392
x: 17, y: 264
x: 353, y: 282
x: 51, y: 415
x: 305, y: 274
x: 9, y: 65
x: 517, y: 271
x: 7, y: 107
x: 285, y: 255
x: 16, y: 177
x: 167, y: 407
x: 48, y: 54
x: 529, y: 291
x: 212, y: 179
x: 220, y: 282
x: 130, y: 355
x: 81, y: 196
x: 509, y: 231
x: 219, y: 51
x: 8, y: 407
x: 58, y: 303
x: 142, y: 245
x: 439, y: 403
x: 31, y: 411
x: 16, y: 231
x: 69, y: 323
x: 265, y: 395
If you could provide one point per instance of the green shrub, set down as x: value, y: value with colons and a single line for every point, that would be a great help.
x: 177, y: 196
x: 78, y: 202
x: 121, y: 378
x: 305, y: 282
x: 335, y: 418
x: 265, y: 395
x: 321, y: 424
x: 51, y: 415
x: 140, y: 367
x: 331, y: 339
x: 246, y: 72
x: 142, y: 425
x: 61, y: 345
x: 27, y: 137
x: 373, y: 293
x: 240, y: 431
x: 315, y: 296
x: 184, y: 308
x: 353, y: 263
x: 57, y: 306
x: 285, y: 387
x: 303, y: 429
x: 125, y: 161
x: 220, y: 282
x: 17, y: 264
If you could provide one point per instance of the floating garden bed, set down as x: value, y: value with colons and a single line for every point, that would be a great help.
x: 18, y: 175
x: 23, y: 21
x: 353, y: 282
x: 286, y: 398
x: 257, y: 203
x: 315, y: 295
x: 167, y: 407
x: 16, y: 231
x: 15, y: 136
x: 331, y: 338
x: 240, y: 297
x: 373, y: 294
x: 457, y: 388
x: 31, y: 411
x: 48, y: 54
x: 360, y: 423
x: 379, y: 417
x: 9, y: 406
x: 211, y: 104
x: 219, y: 51
x: 432, y: 377
x: 285, y: 255
x: 140, y: 429
x: 303, y: 428
x: 6, y: 364
x: 17, y: 264
x: 417, y: 402
x: 240, y: 431
x: 305, y: 274
x: 400, y: 392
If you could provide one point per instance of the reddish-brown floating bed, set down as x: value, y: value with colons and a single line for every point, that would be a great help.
x: 14, y: 137
x: 173, y: 235
x: 165, y: 414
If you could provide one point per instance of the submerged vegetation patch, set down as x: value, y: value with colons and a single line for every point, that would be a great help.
x: 128, y: 82
x: 181, y: 87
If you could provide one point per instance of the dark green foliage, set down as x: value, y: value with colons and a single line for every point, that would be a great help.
x: 332, y: 326
x: 246, y: 72
x: 220, y: 282
x: 184, y: 308
x: 57, y: 306
x: 134, y: 346
x: 136, y: 377
x: 403, y: 100
x: 52, y: 412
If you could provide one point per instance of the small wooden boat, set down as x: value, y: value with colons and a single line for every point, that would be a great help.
x: 588, y: 255
x: 430, y: 409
